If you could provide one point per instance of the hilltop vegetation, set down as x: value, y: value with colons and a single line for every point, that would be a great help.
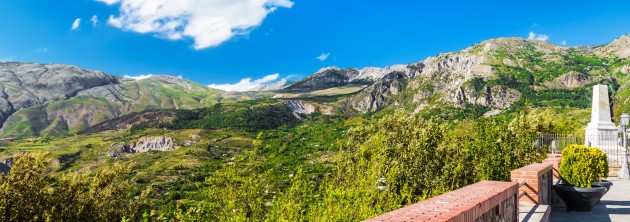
x: 324, y: 168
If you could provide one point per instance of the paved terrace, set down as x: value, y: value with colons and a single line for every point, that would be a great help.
x: 614, y: 206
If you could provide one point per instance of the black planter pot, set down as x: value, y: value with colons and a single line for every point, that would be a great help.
x: 578, y: 198
x: 603, y: 183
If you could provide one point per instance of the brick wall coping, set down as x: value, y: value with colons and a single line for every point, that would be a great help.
x: 554, y: 155
x: 462, y: 204
x: 536, y: 169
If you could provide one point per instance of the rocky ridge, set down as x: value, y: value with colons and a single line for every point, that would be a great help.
x: 29, y: 84
x: 446, y: 77
x: 40, y: 99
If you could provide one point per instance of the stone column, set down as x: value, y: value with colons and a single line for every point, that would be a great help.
x: 601, y: 132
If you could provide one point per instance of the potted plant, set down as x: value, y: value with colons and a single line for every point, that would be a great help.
x: 581, y: 168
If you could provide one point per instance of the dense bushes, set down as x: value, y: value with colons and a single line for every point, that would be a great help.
x: 325, y: 169
x: 30, y: 192
x: 413, y: 157
x: 581, y: 165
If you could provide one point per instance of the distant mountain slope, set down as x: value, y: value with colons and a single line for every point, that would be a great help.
x: 487, y: 77
x: 493, y: 74
x: 38, y: 99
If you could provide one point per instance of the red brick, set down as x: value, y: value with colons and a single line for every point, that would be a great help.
x: 472, y: 202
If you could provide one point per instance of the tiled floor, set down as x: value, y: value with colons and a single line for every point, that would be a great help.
x: 614, y: 206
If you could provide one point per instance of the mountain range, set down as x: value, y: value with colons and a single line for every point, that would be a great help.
x: 484, y: 79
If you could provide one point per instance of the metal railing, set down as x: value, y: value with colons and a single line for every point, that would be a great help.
x: 554, y: 143
x: 611, y: 144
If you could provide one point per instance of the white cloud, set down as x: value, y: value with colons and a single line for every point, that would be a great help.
x: 534, y: 36
x: 42, y: 50
x: 140, y: 77
x: 146, y: 76
x: 108, y: 2
x: 76, y: 24
x: 208, y: 22
x: 246, y: 84
x: 323, y: 56
x: 564, y: 42
x: 94, y: 20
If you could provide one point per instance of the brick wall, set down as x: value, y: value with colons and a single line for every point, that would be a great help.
x: 554, y: 160
x: 482, y: 201
x: 537, y: 182
x: 486, y: 200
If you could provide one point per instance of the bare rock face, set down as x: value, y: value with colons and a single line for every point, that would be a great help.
x: 301, y: 107
x: 619, y: 47
x: 142, y: 145
x: 374, y: 73
x: 377, y: 95
x: 29, y: 84
x: 569, y: 81
x: 150, y: 143
x: 118, y: 150
x: 109, y: 92
x: 497, y: 96
x: 325, y: 78
x: 443, y: 77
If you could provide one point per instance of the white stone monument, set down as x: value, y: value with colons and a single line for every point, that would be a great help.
x: 601, y: 132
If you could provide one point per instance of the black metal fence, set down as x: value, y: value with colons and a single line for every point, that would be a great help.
x: 554, y: 143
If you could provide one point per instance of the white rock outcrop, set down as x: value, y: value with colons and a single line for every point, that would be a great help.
x: 151, y: 143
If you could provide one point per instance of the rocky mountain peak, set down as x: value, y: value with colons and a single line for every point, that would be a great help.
x: 619, y: 47
x: 513, y: 45
x: 325, y: 78
x: 30, y: 84
x: 328, y: 69
x: 376, y: 73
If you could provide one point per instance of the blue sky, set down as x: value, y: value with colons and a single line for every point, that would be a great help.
x: 225, y: 41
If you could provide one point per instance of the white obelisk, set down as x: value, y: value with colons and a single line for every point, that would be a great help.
x: 601, y: 131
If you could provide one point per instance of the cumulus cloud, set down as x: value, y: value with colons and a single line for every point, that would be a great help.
x: 564, y: 42
x: 76, y: 24
x: 146, y: 76
x: 139, y: 77
x: 108, y: 2
x: 534, y: 36
x: 94, y: 20
x: 323, y: 56
x: 208, y: 22
x: 246, y: 84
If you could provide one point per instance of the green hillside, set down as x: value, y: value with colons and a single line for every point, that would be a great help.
x: 78, y: 113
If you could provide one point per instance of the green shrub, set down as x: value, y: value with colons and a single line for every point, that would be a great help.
x: 581, y: 165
